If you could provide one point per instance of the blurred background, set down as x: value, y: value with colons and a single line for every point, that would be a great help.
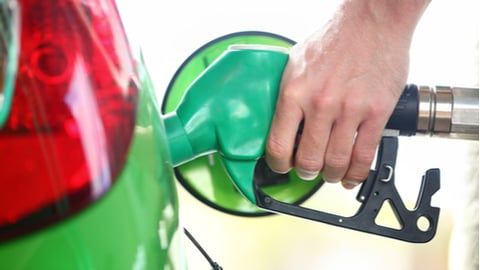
x: 444, y: 52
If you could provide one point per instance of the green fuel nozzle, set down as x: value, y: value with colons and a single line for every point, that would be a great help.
x: 228, y: 109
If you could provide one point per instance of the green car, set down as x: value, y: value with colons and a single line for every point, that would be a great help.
x: 85, y: 181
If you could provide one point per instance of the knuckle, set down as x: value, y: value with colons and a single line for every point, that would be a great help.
x: 360, y: 166
x: 354, y: 107
x: 288, y: 94
x: 337, y: 161
x: 363, y: 158
x: 277, y: 149
x: 290, y: 90
x: 357, y: 176
x: 323, y: 103
x: 308, y: 163
x: 377, y: 109
x: 353, y: 104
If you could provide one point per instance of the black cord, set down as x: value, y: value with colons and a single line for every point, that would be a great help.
x: 204, y: 253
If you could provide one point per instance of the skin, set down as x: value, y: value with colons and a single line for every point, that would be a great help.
x: 344, y: 82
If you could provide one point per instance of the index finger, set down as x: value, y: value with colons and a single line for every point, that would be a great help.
x: 281, y: 138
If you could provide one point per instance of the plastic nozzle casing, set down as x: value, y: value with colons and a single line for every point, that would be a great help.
x: 228, y: 109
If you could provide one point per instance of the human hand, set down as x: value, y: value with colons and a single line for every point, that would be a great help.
x: 343, y: 82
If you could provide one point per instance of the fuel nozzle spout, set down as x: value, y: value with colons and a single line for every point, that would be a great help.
x: 441, y: 111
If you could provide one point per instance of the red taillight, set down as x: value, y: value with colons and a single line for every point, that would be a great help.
x: 73, y: 111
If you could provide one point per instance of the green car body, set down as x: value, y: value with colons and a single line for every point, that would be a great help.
x: 133, y: 226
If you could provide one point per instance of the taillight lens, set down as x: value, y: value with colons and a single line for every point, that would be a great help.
x: 73, y: 112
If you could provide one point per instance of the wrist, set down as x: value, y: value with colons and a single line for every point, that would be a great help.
x: 394, y: 16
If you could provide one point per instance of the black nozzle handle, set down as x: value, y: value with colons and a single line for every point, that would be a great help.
x: 405, y: 115
x: 378, y: 188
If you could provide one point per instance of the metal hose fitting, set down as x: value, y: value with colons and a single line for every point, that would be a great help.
x: 450, y: 112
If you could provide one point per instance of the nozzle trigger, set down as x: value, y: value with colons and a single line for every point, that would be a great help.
x: 378, y: 188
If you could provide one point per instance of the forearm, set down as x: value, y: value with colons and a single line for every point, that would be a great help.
x: 395, y: 16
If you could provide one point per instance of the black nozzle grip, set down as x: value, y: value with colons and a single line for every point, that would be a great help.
x: 405, y: 115
x: 378, y: 188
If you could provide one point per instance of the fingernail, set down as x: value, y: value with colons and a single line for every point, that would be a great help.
x: 277, y: 166
x: 350, y: 184
x: 306, y: 175
x: 331, y: 180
